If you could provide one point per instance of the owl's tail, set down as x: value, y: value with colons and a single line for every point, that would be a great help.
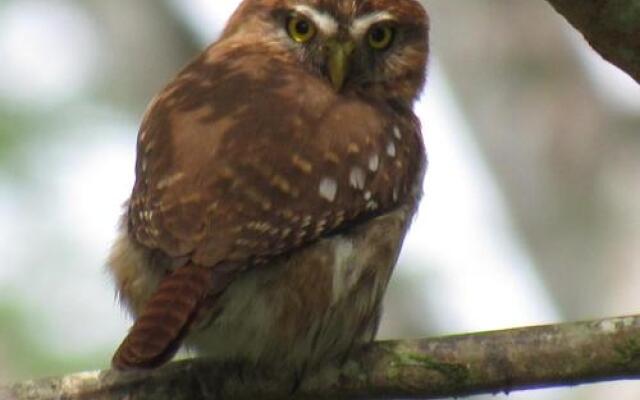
x: 166, y: 319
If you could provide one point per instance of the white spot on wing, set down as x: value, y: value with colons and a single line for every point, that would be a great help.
x: 357, y: 178
x: 361, y: 25
x: 397, y: 133
x: 391, y: 149
x: 374, y: 163
x: 323, y: 21
x: 328, y: 189
x: 169, y: 181
x: 306, y: 221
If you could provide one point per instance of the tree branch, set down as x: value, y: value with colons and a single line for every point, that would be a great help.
x: 489, y: 362
x: 612, y: 27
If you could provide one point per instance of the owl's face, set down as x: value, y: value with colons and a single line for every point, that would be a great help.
x: 376, y: 48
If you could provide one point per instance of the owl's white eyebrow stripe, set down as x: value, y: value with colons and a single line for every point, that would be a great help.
x: 324, y: 22
x: 361, y: 25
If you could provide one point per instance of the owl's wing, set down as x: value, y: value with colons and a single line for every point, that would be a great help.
x: 241, y: 161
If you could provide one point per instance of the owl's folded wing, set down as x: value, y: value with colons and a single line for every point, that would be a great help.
x: 241, y: 166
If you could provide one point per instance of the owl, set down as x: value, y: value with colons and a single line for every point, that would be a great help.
x: 276, y: 177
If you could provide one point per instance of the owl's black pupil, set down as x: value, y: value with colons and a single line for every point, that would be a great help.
x: 379, y: 35
x: 302, y: 27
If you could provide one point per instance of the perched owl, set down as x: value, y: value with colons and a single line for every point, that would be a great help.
x: 276, y: 177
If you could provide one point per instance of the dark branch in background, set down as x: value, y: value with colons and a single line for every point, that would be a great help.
x: 612, y: 27
x: 502, y: 361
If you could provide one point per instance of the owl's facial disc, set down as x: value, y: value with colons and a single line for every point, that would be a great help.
x: 335, y: 45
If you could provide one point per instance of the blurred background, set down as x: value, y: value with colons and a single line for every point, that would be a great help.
x: 532, y: 206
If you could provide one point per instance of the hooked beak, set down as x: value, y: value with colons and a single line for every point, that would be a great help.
x: 339, y: 62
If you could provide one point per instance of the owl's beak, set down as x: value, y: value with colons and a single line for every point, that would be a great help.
x: 339, y: 62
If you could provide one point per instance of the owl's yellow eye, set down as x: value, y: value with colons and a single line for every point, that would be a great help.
x: 300, y: 29
x: 381, y: 37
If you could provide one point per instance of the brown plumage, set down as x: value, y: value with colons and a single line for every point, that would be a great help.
x: 275, y: 179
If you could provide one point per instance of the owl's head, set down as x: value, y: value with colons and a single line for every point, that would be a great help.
x: 376, y: 48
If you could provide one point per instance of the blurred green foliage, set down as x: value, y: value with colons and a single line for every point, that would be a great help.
x: 21, y: 336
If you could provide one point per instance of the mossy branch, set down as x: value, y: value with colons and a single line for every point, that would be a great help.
x: 612, y: 27
x: 452, y: 366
